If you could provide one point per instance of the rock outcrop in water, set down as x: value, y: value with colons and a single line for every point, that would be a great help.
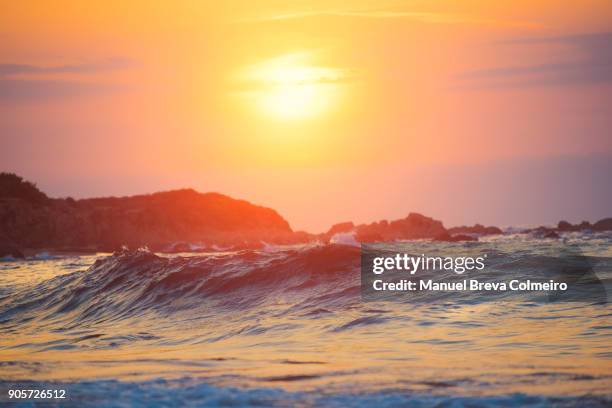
x: 186, y: 220
x: 601, y: 225
x: 414, y: 226
x: 29, y: 219
x: 476, y: 229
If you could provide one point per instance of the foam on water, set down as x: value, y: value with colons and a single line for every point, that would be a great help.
x: 189, y: 393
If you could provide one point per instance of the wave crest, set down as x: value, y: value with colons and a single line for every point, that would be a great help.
x: 131, y: 283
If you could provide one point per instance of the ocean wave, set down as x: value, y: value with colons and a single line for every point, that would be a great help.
x: 293, y: 317
x: 315, y: 277
x: 129, y: 283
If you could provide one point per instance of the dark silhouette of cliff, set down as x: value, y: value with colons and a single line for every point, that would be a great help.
x: 29, y: 219
x: 177, y: 220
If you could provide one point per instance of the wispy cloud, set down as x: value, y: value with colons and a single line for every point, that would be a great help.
x: 420, y: 16
x: 21, y: 90
x: 585, y: 40
x: 590, y: 62
x: 25, y: 69
x: 22, y: 83
x: 296, y: 68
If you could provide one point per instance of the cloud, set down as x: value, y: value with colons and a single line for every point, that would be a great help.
x: 25, y: 69
x: 421, y: 16
x: 585, y: 40
x: 590, y: 62
x: 20, y: 90
x: 17, y: 87
x: 295, y: 68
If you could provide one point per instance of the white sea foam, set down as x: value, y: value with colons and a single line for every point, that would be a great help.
x: 344, y: 238
x: 188, y: 392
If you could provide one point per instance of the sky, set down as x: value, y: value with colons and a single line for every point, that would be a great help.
x: 327, y: 111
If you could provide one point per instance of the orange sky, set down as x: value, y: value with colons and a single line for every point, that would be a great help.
x: 327, y: 111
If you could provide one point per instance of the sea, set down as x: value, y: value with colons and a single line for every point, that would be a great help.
x: 287, y: 326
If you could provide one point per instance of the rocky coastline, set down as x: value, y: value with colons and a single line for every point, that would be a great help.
x: 188, y: 221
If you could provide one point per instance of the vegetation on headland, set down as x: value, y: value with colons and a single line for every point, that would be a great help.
x: 13, y: 186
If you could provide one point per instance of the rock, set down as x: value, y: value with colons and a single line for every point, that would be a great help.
x: 544, y: 232
x: 565, y: 226
x: 302, y: 237
x: 9, y: 249
x: 551, y: 234
x: 603, y: 225
x: 154, y: 220
x: 369, y: 236
x: 476, y: 229
x: 373, y: 232
x: 414, y: 226
x: 446, y: 237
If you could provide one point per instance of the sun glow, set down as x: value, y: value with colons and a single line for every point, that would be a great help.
x: 293, y: 101
x: 289, y: 88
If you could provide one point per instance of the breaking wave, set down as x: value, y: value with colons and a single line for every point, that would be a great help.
x: 287, y: 326
x: 133, y: 283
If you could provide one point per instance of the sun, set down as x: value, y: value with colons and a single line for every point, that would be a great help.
x: 289, y: 88
x: 294, y: 100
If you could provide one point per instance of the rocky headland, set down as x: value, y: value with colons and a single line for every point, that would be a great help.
x: 186, y: 220
x: 31, y: 220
